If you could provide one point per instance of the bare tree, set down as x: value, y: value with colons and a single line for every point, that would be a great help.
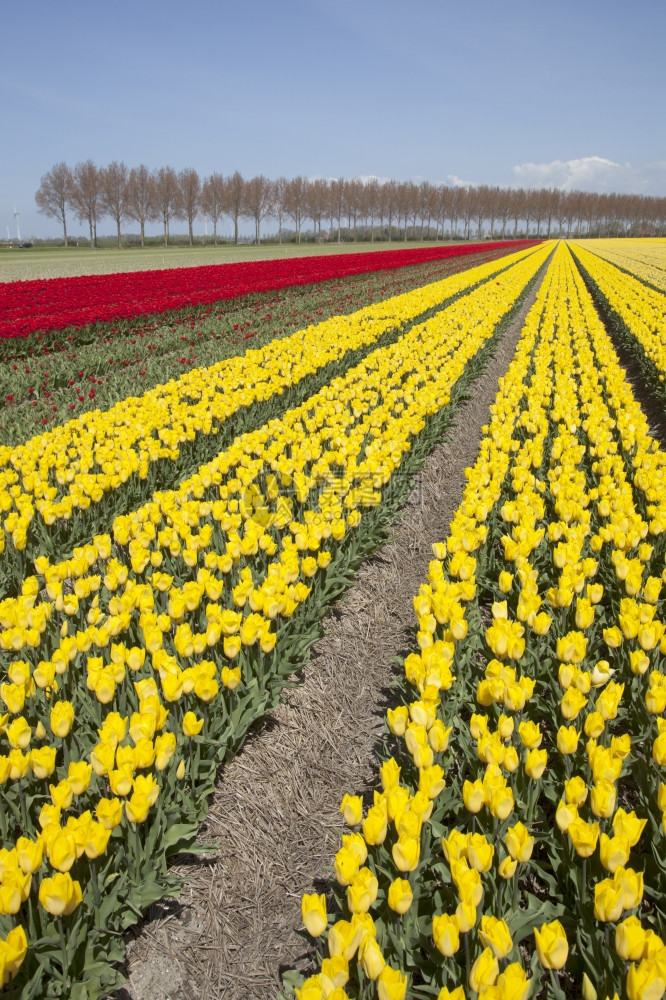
x: 113, y: 197
x: 336, y: 202
x: 503, y: 210
x: 467, y: 207
x: 352, y: 202
x: 167, y: 197
x: 296, y: 202
x: 234, y: 200
x: 450, y: 208
x: 55, y: 194
x: 517, y: 197
x: 91, y: 193
x: 387, y: 203
x: 140, y: 204
x: 190, y: 195
x: 317, y: 202
x: 535, y: 210
x: 87, y: 195
x: 403, y: 206
x: 372, y: 203
x: 212, y: 200
x: 478, y: 197
x: 258, y: 202
x: 427, y: 202
x: 278, y: 197
x: 493, y: 196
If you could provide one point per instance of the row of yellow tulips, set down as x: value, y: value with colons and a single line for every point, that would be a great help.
x: 71, y: 467
x: 568, y: 463
x: 642, y: 309
x: 644, y: 258
x: 187, y: 587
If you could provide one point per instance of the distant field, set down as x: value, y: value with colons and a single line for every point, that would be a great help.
x: 58, y: 262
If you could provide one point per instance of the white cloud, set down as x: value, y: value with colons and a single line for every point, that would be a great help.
x: 594, y: 173
x: 457, y: 182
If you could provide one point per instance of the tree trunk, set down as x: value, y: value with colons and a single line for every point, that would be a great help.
x: 118, y: 224
x: 257, y: 234
x: 143, y: 226
x: 236, y: 229
x: 189, y: 222
x: 214, y: 232
x: 64, y: 229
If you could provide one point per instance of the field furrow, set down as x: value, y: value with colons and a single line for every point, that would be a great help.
x: 135, y: 666
x: 64, y: 485
x: 514, y: 842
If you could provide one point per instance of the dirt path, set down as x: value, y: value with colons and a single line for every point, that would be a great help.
x: 275, y: 817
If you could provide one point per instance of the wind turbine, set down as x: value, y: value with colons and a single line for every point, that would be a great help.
x: 16, y: 220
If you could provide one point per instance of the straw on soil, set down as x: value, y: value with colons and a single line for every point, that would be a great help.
x: 275, y: 816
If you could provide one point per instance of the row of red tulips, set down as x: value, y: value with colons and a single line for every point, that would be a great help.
x: 54, y: 303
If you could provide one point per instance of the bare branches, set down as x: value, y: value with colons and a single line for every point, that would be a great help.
x: 356, y: 209
x: 54, y: 195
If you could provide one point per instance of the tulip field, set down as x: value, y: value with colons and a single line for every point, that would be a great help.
x: 166, y: 561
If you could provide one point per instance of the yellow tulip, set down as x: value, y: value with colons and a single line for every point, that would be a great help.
x: 14, y: 948
x: 371, y: 958
x: 494, y: 933
x: 392, y: 984
x: 42, y: 761
x: 535, y: 763
x: 362, y: 891
x: 60, y: 895
x: 473, y: 795
x: 485, y: 971
x: 313, y: 911
x: 97, y: 839
x: 584, y: 837
x: 375, y: 826
x: 646, y: 981
x: 400, y: 895
x: 519, y: 843
x: 18, y: 734
x: 530, y: 734
x: 575, y: 790
x: 628, y: 825
x: 109, y: 812
x: 607, y: 900
x: 457, y: 994
x: 507, y: 867
x: 551, y: 945
x: 480, y: 853
x: 603, y: 796
x: 61, y: 718
x: 346, y: 865
x: 513, y: 982
x: 567, y: 739
x: 445, y: 933
x: 631, y: 885
x: 406, y: 853
x: 630, y: 939
x: 29, y: 854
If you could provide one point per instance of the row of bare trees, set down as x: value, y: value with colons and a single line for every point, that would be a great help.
x: 362, y: 209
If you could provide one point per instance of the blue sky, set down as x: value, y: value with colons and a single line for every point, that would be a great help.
x: 522, y: 92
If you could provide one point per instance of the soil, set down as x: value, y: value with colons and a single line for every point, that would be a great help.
x: 274, y: 818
